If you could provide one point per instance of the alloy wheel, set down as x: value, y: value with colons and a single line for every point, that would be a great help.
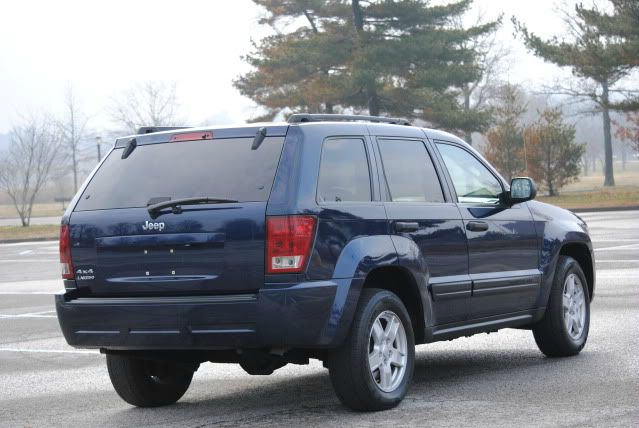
x: 574, y: 306
x: 387, y: 351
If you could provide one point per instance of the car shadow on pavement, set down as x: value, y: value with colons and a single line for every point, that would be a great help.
x: 310, y: 397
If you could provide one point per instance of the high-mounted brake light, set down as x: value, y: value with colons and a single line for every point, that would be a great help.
x: 191, y: 136
x: 288, y: 242
x: 66, y: 264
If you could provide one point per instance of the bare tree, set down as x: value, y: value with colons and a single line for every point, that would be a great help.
x: 491, y: 58
x: 152, y: 103
x: 72, y: 133
x: 27, y: 165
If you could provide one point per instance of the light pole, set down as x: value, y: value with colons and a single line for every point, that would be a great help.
x: 98, y: 142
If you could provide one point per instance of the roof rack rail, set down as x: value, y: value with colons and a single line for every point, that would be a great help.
x: 152, y: 129
x: 305, y: 117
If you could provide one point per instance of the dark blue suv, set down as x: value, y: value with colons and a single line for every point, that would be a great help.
x: 347, y: 239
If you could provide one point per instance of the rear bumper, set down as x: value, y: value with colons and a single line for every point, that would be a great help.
x: 310, y: 314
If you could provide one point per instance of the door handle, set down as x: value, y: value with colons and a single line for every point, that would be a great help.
x: 477, y: 226
x: 406, y: 226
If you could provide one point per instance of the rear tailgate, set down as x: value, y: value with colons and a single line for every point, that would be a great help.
x: 119, y: 248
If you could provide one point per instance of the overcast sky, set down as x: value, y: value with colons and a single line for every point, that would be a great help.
x: 101, y: 48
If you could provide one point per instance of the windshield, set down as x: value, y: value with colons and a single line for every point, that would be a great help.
x: 224, y: 168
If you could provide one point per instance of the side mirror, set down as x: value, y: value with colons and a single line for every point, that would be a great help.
x: 522, y: 189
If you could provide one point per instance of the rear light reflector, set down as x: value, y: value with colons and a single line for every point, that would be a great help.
x: 288, y: 242
x: 191, y: 136
x: 66, y: 264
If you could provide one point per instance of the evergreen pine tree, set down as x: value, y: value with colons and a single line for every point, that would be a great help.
x: 593, y: 57
x: 621, y: 24
x: 401, y: 58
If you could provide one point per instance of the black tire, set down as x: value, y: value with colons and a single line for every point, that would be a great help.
x: 146, y: 383
x: 551, y: 333
x: 349, y: 364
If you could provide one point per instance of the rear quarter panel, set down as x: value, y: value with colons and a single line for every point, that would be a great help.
x: 352, y: 238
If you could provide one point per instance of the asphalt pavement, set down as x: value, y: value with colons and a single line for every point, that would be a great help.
x: 499, y: 379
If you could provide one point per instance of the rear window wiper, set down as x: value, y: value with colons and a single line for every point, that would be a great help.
x: 176, y: 204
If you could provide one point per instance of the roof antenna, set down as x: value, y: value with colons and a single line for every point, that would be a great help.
x: 129, y: 148
x: 259, y: 138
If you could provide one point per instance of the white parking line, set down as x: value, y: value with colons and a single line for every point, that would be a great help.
x: 41, y: 314
x: 617, y: 274
x: 595, y: 241
x: 618, y: 261
x: 18, y: 244
x: 22, y: 253
x: 49, y: 351
x: 618, y: 247
x: 27, y: 260
x: 3, y: 316
x: 19, y: 293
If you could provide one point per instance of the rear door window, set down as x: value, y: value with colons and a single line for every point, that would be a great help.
x: 409, y: 171
x: 219, y: 168
x: 344, y: 175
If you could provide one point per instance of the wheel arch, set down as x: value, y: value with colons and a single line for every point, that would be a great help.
x: 582, y: 254
x: 400, y: 281
x: 376, y: 261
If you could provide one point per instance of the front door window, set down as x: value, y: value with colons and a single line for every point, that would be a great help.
x: 473, y: 182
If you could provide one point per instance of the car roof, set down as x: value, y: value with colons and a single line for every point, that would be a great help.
x: 272, y: 129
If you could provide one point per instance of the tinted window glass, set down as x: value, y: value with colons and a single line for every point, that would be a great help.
x: 344, y: 174
x: 225, y: 168
x: 409, y: 172
x: 473, y: 182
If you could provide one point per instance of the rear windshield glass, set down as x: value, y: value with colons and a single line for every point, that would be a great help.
x: 225, y: 168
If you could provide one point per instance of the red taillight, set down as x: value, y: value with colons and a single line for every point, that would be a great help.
x: 66, y: 264
x: 288, y: 242
x: 191, y: 136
